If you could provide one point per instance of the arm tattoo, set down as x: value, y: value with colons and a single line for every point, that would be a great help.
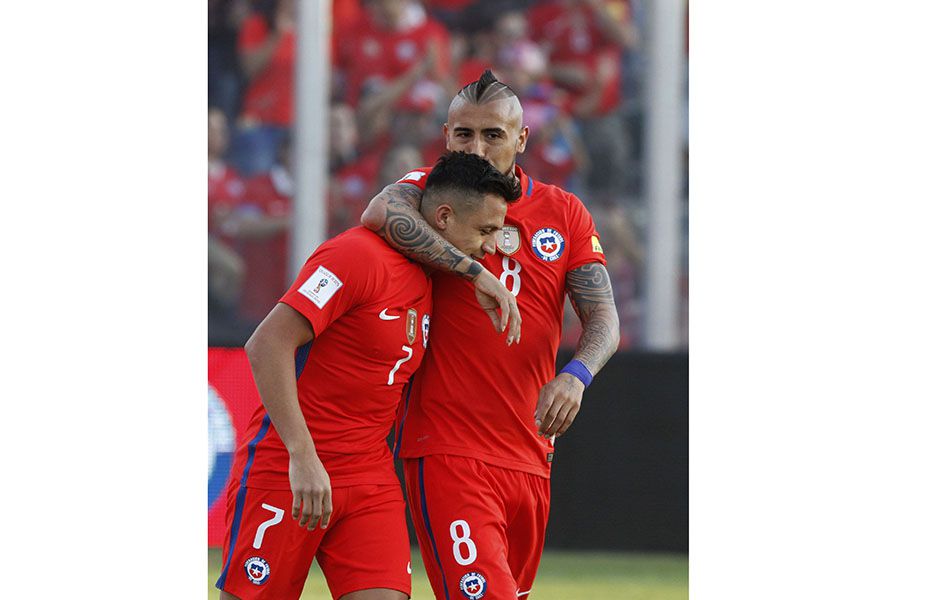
x: 403, y: 192
x: 408, y: 232
x: 593, y: 299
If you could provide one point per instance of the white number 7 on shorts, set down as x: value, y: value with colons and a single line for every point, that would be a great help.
x: 260, y: 532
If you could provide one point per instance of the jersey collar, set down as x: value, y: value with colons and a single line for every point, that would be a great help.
x: 526, y: 182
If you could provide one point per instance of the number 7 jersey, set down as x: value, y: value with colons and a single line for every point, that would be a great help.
x: 370, y: 311
x: 474, y: 396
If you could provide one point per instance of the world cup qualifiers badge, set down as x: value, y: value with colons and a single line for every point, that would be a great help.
x: 257, y: 570
x: 473, y: 585
x: 548, y: 244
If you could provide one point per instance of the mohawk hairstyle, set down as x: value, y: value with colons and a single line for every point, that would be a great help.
x: 469, y: 173
x: 486, y: 89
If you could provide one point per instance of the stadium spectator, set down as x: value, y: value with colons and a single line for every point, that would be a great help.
x: 225, y: 271
x: 224, y: 80
x: 225, y: 268
x: 382, y: 115
x: 267, y: 56
x: 555, y: 148
x: 476, y: 459
x: 224, y: 185
x: 347, y: 17
x: 421, y: 129
x: 346, y: 14
x: 396, y: 57
x: 352, y: 173
x: 357, y: 321
x: 491, y: 48
x: 399, y: 161
x: 585, y: 40
x: 473, y: 16
x: 262, y: 222
x: 447, y: 12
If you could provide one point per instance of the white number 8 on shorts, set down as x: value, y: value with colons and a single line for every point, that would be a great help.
x: 462, y: 539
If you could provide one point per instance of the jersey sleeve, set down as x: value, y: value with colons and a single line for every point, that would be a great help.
x: 585, y: 241
x: 416, y: 177
x: 335, y: 279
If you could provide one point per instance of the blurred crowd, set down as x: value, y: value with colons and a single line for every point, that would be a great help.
x: 575, y: 64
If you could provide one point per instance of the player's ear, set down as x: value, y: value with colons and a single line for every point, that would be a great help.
x: 443, y: 215
x: 445, y: 134
x: 521, y: 139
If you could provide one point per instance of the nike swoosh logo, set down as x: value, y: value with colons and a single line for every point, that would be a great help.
x: 519, y: 593
x: 386, y: 317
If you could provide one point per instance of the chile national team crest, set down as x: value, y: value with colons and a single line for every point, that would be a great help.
x: 473, y: 585
x: 257, y: 570
x: 548, y: 244
x: 425, y: 327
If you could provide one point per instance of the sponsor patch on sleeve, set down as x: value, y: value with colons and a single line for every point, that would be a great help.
x: 596, y: 244
x: 320, y: 287
x: 412, y: 176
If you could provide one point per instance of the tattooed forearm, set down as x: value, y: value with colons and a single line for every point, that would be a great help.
x: 406, y: 230
x: 375, y: 216
x: 593, y: 299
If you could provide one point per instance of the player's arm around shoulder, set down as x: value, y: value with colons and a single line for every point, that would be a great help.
x: 592, y: 297
x: 270, y: 351
x: 394, y: 215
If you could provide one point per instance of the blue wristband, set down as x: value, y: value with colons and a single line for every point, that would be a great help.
x: 577, y: 368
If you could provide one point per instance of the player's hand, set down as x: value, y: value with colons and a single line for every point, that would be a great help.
x: 559, y: 403
x: 491, y: 295
x: 313, y: 494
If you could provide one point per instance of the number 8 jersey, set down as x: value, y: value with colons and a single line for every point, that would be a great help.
x: 474, y: 396
x: 369, y: 308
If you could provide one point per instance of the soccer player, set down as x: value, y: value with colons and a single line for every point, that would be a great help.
x: 354, y: 326
x: 476, y: 432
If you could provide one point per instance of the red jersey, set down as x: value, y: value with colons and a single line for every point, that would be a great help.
x: 369, y: 307
x: 269, y: 97
x: 474, y: 396
x: 350, y: 189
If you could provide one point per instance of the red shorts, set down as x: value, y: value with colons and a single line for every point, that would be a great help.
x: 267, y: 555
x: 481, y: 528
